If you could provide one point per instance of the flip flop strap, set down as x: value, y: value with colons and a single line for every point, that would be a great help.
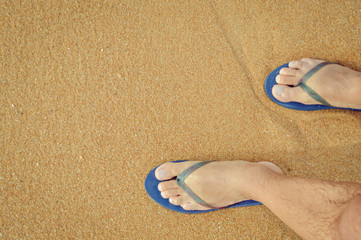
x: 310, y: 91
x: 180, y: 180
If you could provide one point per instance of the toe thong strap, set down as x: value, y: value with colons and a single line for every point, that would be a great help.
x: 310, y: 91
x: 180, y: 181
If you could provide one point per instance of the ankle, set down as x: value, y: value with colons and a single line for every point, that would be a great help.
x: 260, y: 177
x: 348, y: 92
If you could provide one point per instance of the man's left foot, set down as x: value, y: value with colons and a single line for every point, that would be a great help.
x: 219, y: 184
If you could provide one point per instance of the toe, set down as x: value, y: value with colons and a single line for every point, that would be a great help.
x: 191, y: 206
x: 291, y: 94
x: 171, y: 193
x: 308, y: 60
x: 288, y: 72
x: 168, y: 185
x: 187, y: 206
x: 295, y: 64
x: 284, y: 93
x: 168, y: 171
x: 287, y: 80
x: 177, y: 200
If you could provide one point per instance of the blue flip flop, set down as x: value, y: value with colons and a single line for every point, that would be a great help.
x: 271, y: 81
x: 151, y: 186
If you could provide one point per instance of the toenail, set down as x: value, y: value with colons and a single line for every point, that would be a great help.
x: 278, y: 79
x: 159, y: 187
x: 164, y: 195
x: 161, y: 173
x: 279, y: 90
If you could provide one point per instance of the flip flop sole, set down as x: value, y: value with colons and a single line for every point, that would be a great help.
x: 151, y: 186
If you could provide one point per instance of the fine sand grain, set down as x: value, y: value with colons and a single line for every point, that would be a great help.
x: 94, y: 94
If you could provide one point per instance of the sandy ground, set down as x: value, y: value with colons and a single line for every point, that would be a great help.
x: 94, y: 95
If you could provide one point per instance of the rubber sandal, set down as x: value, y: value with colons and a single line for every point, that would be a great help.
x: 151, y: 186
x: 271, y: 81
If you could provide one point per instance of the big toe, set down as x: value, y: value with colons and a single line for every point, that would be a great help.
x: 170, y: 170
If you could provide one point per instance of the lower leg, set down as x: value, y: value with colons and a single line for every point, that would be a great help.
x: 314, y: 209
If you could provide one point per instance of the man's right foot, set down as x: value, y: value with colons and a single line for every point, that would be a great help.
x: 339, y: 86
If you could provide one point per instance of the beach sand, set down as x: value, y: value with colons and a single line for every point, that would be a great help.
x: 94, y: 94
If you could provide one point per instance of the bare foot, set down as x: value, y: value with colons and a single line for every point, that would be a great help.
x: 340, y: 86
x: 219, y: 184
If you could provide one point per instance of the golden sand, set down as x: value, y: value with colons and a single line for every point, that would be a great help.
x: 94, y: 95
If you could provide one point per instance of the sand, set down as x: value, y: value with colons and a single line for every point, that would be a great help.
x: 94, y: 95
